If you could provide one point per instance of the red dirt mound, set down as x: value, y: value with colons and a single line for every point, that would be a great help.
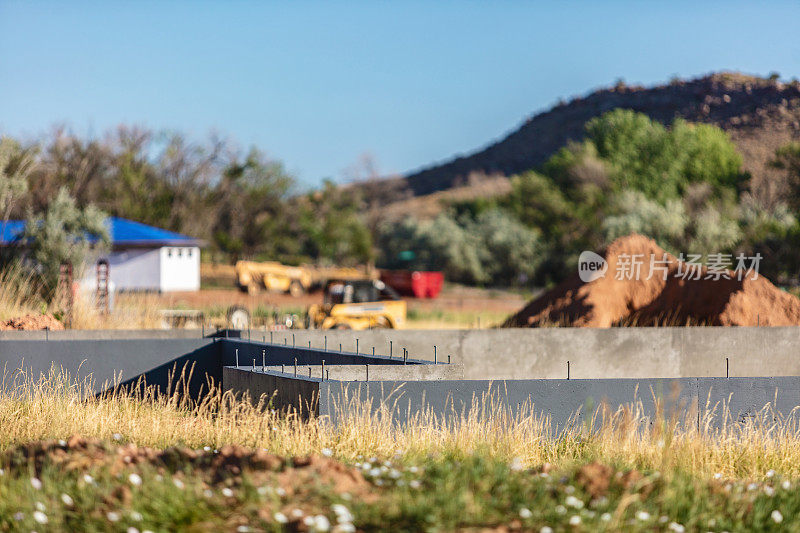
x: 663, y: 293
x: 30, y: 322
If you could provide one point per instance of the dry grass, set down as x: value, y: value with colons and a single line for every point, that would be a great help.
x: 55, y: 406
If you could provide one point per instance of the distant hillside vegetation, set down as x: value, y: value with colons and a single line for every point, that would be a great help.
x: 759, y: 114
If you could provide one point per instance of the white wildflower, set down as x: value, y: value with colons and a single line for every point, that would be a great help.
x: 227, y: 492
x: 40, y: 506
x: 297, y: 513
x: 40, y: 517
x: 280, y: 518
x: 572, y: 501
x: 36, y: 483
x: 752, y: 486
x: 770, y: 473
x: 67, y: 499
x: 605, y: 517
x: 208, y: 493
x: 717, y: 476
x: 112, y: 516
x: 676, y: 527
x: 327, y: 452
x: 546, y: 529
x: 777, y: 517
x: 516, y: 464
x: 345, y: 528
x: 569, y: 489
x: 786, y: 485
x: 132, y: 529
x: 135, y: 479
x: 136, y: 516
x: 560, y: 509
x: 769, y: 491
x: 574, y: 520
x: 88, y: 479
x: 117, y: 436
x: 414, y: 484
x: 178, y: 483
x: 243, y: 529
x: 643, y: 516
x: 321, y: 523
x: 342, y: 513
x: 280, y: 491
x: 525, y: 513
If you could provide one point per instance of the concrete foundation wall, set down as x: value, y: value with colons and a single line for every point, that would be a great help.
x: 689, y: 400
x: 280, y: 392
x: 106, y: 362
x: 592, y: 353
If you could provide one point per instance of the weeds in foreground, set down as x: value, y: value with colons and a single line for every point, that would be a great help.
x: 484, y: 467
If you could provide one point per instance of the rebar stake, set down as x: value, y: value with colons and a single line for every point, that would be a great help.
x: 237, y: 357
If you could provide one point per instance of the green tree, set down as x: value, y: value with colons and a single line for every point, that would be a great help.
x: 332, y: 228
x: 64, y: 233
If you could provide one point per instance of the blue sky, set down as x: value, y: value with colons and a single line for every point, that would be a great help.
x: 317, y: 84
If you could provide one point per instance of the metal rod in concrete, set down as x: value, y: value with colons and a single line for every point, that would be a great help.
x: 356, y: 346
x: 254, y: 365
x: 448, y: 359
x: 567, y: 369
x: 282, y: 368
x: 434, y: 354
x: 295, y: 367
x: 309, y: 371
x: 270, y: 336
x: 340, y: 347
x: 367, y: 372
x: 285, y: 342
x: 323, y: 370
x: 326, y: 343
x: 373, y: 351
x: 327, y: 375
x: 405, y: 356
x: 390, y: 349
x: 203, y: 329
x: 263, y: 360
x: 293, y: 345
x: 309, y: 345
x: 237, y: 357
x: 727, y: 368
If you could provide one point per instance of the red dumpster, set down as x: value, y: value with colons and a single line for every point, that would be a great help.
x: 414, y: 283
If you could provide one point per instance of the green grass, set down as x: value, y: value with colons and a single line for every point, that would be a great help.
x: 442, y: 493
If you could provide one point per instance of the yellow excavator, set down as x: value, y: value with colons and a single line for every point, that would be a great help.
x: 272, y: 276
x: 357, y: 305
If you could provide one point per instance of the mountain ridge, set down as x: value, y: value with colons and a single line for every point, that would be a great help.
x: 760, y: 115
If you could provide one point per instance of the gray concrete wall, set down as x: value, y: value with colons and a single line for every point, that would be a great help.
x: 104, y: 334
x: 592, y: 353
x: 689, y: 400
x: 105, y: 362
x: 369, y: 372
x: 298, y: 395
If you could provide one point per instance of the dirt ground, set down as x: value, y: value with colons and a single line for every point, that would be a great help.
x: 456, y: 306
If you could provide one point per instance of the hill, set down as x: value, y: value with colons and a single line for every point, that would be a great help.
x: 759, y: 114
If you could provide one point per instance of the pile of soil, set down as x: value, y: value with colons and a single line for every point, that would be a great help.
x: 676, y: 300
x: 31, y: 322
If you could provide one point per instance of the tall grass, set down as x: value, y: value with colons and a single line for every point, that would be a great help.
x: 56, y: 406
